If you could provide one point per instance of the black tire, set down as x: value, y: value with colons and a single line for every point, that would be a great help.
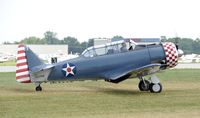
x: 155, y: 88
x: 38, y: 88
x: 142, y: 86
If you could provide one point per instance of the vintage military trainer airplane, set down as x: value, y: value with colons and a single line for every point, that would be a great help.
x: 113, y: 62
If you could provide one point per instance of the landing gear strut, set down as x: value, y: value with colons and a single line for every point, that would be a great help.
x: 38, y: 87
x: 153, y: 84
x: 144, y: 84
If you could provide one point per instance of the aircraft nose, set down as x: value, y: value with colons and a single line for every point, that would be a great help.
x: 180, y: 53
x: 171, y: 54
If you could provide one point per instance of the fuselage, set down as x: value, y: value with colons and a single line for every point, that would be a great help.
x: 95, y: 67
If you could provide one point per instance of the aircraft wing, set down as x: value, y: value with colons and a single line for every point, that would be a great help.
x: 124, y: 73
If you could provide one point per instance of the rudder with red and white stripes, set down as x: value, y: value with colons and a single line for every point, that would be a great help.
x: 22, y: 71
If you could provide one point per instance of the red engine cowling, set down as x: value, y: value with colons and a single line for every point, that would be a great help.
x: 171, y: 54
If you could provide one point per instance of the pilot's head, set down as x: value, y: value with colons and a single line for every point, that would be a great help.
x: 123, y: 44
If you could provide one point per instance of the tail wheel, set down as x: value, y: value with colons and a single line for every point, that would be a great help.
x: 144, y: 85
x: 38, y: 88
x: 155, y: 88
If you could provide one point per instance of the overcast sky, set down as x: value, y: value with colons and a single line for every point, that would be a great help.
x: 86, y: 19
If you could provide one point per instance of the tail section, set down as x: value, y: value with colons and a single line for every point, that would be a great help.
x: 26, y: 60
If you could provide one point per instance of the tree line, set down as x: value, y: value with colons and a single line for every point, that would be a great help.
x: 74, y: 46
x: 188, y: 45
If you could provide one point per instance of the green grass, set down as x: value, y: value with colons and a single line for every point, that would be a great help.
x: 8, y: 63
x: 98, y: 99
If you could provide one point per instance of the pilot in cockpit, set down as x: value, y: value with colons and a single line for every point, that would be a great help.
x: 123, y: 48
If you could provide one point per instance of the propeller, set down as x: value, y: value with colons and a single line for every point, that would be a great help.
x: 176, y: 42
x: 180, y: 52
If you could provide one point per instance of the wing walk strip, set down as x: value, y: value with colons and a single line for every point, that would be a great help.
x: 22, y: 71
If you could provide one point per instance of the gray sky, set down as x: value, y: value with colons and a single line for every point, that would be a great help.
x: 86, y: 19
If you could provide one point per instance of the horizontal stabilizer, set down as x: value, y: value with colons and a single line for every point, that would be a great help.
x: 41, y: 68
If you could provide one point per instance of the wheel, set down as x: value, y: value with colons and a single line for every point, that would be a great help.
x: 38, y: 88
x: 144, y: 86
x: 155, y: 88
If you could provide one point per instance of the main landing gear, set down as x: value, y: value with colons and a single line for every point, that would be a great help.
x: 153, y: 85
x: 38, y: 87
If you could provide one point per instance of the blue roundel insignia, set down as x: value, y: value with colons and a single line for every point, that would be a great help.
x: 69, y: 69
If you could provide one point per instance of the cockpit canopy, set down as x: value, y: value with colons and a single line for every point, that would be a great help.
x: 109, y: 48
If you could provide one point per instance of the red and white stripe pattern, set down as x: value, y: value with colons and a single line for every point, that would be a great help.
x: 171, y: 54
x: 22, y: 71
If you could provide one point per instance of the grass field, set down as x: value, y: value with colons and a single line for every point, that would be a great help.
x: 98, y: 99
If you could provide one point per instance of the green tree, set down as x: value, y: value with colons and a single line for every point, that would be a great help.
x: 83, y: 46
x: 117, y: 38
x: 186, y: 44
x: 7, y: 42
x: 196, y: 46
x: 73, y: 44
x: 70, y: 41
x: 32, y: 40
x: 90, y: 43
x: 163, y: 38
x: 50, y: 38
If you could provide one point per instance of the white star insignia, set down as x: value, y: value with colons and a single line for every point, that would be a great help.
x: 69, y: 70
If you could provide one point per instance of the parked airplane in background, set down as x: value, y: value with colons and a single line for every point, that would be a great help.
x: 113, y: 62
x: 4, y: 57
